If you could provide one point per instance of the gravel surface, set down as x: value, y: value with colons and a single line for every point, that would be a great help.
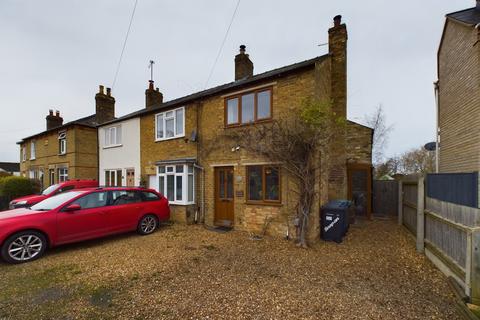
x: 189, y: 272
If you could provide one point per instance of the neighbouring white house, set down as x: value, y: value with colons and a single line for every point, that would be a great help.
x: 119, y: 153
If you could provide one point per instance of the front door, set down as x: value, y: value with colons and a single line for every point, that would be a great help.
x: 130, y: 177
x: 224, y: 196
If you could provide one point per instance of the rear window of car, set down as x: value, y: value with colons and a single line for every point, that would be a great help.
x: 150, y: 196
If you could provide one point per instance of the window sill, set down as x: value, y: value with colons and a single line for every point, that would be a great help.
x: 171, y: 138
x: 261, y: 203
x: 31, y: 159
x: 181, y: 203
x: 113, y: 146
x: 62, y: 154
x: 238, y: 125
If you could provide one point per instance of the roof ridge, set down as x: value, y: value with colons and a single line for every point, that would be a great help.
x: 448, y: 14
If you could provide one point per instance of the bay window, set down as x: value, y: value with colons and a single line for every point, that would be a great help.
x: 177, y: 183
x: 170, y: 124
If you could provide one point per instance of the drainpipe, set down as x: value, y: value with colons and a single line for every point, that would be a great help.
x: 437, y: 128
x: 202, y: 208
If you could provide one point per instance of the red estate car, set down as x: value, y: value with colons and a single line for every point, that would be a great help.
x: 77, y: 215
x: 28, y: 201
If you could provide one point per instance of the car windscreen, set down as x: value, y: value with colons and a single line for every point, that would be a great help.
x: 50, y: 189
x: 55, y: 201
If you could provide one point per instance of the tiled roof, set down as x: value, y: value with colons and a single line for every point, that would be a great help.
x: 10, y: 166
x: 222, y: 88
x: 469, y: 16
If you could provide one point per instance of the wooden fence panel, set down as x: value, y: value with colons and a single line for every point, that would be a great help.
x: 410, y: 218
x: 385, y: 197
x: 459, y: 214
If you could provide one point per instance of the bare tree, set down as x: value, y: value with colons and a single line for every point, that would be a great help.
x: 378, y: 122
x: 416, y: 160
x: 295, y: 142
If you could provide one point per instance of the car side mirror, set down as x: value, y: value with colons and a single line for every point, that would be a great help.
x: 72, y: 208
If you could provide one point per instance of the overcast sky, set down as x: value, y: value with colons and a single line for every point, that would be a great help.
x: 54, y: 54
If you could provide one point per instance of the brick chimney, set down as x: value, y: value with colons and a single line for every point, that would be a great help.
x: 243, y: 65
x: 152, y: 96
x: 104, y: 106
x: 337, y: 46
x: 53, y: 120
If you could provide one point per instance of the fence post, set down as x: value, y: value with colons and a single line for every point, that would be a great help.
x: 400, y: 202
x: 421, y: 215
x: 475, y: 267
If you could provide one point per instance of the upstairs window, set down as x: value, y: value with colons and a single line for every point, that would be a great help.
x: 113, y: 136
x: 24, y: 154
x: 249, y: 107
x: 170, y: 124
x: 32, y: 150
x: 62, y: 142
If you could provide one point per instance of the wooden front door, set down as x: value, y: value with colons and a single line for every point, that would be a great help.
x: 130, y: 177
x: 360, y: 188
x: 224, y: 196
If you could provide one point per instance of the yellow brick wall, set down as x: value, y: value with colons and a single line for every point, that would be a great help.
x: 459, y: 99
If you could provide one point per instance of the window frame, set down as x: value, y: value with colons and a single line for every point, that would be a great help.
x: 175, y: 135
x: 255, y: 107
x: 63, y: 175
x: 62, y: 142
x: 24, y: 153
x: 107, y: 143
x: 115, y: 171
x: 263, y: 201
x: 184, y: 178
x: 33, y: 149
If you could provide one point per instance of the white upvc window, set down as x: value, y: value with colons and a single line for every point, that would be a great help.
x: 177, y: 183
x: 113, y: 178
x: 31, y: 174
x: 32, y: 150
x: 62, y: 174
x: 113, y: 136
x: 170, y: 124
x: 24, y: 153
x: 62, y: 142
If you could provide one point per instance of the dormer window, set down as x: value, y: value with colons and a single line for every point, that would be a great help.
x: 248, y: 107
x: 62, y: 142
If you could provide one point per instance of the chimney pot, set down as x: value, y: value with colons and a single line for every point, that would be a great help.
x: 337, y: 20
x: 242, y: 48
x: 156, y: 89
x: 150, y: 85
x: 100, y: 89
x: 50, y: 112
x: 109, y: 92
x: 57, y: 113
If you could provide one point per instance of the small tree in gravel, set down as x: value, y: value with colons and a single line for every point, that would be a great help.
x: 295, y: 141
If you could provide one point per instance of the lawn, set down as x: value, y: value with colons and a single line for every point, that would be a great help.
x: 189, y: 272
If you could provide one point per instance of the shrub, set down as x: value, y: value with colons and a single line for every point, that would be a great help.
x: 13, y: 187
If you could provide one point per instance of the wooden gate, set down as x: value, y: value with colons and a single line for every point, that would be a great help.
x: 385, y: 197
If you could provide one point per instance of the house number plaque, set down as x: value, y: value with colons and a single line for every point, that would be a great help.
x: 239, y: 194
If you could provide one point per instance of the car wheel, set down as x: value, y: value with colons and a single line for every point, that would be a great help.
x: 24, y: 247
x: 147, y: 225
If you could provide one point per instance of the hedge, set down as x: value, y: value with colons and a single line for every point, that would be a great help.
x: 14, y: 187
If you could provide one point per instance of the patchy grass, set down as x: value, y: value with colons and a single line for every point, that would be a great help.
x: 189, y: 272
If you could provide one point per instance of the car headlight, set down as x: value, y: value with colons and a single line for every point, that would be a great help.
x: 21, y: 202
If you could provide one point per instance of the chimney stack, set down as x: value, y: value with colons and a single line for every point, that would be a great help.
x: 243, y: 65
x: 337, y: 46
x: 104, y: 106
x: 53, y: 120
x: 153, y: 96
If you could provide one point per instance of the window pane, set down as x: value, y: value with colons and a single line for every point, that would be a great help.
x: 169, y: 124
x: 179, y: 169
x: 247, y: 107
x: 229, y: 184
x: 232, y: 111
x: 190, y: 188
x: 179, y: 188
x: 263, y: 105
x: 255, y: 183
x: 119, y: 178
x: 119, y: 135
x: 190, y: 168
x: 107, y: 178
x: 160, y: 126
x: 107, y: 137
x: 170, y: 187
x: 161, y: 169
x: 92, y: 200
x: 170, y: 169
x: 161, y: 185
x: 169, y: 114
x: 272, y: 183
x: 148, y: 196
x: 179, y: 121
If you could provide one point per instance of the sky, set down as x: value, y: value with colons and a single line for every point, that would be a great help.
x: 54, y: 54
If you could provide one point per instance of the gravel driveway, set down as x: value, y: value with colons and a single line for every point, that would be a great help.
x: 189, y: 272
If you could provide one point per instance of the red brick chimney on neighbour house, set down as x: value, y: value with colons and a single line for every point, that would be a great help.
x: 104, y: 106
x: 54, y: 120
x: 243, y: 65
x: 153, y: 96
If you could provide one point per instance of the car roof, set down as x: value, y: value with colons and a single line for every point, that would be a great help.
x: 115, y: 189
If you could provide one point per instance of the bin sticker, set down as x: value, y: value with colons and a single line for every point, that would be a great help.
x: 328, y: 218
x: 331, y: 224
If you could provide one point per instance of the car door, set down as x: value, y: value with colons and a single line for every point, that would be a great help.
x: 123, y: 212
x: 86, y: 223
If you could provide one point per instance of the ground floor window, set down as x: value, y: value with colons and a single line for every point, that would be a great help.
x: 177, y: 183
x: 62, y: 174
x: 113, y: 178
x: 263, y: 183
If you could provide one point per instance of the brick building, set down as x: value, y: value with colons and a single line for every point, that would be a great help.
x: 458, y: 92
x: 66, y: 151
x: 229, y: 186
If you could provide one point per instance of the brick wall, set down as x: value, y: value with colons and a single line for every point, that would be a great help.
x: 359, y: 143
x: 459, y: 99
